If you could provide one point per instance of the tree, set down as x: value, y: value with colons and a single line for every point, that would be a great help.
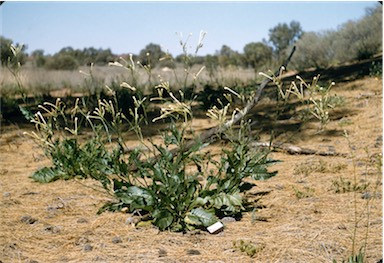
x: 283, y: 35
x: 6, y: 55
x: 151, y: 55
x: 38, y: 57
x: 103, y: 56
x: 363, y: 37
x: 314, y: 49
x: 353, y: 40
x: 257, y: 54
x: 67, y: 51
x: 227, y: 57
x: 211, y: 62
x: 62, y: 62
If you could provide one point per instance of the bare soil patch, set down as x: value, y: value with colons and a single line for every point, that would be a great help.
x: 298, y: 215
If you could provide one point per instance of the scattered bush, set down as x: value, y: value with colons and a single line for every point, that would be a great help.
x: 62, y: 61
x: 362, y: 37
x: 248, y: 247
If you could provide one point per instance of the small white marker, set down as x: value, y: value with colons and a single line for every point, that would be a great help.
x: 215, y: 228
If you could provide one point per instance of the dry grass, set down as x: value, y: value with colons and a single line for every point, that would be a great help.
x: 288, y: 229
x: 41, y: 81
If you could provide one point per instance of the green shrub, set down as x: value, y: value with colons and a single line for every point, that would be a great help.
x: 376, y: 69
x: 248, y: 247
x: 71, y: 160
x: 62, y: 61
x: 168, y: 190
x: 323, y: 49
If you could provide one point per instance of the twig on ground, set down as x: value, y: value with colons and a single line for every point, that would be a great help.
x: 293, y: 149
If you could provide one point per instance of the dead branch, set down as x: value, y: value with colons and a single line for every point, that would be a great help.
x: 293, y: 149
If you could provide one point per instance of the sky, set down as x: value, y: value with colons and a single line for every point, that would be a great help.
x: 127, y: 27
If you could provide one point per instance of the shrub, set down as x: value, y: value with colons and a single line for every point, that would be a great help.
x: 168, y: 190
x: 362, y: 37
x: 314, y: 50
x: 62, y: 61
x: 248, y: 247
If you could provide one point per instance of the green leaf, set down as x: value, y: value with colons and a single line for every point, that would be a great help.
x: 26, y: 113
x: 46, y: 175
x: 163, y: 219
x: 110, y: 207
x: 228, y: 202
x: 136, y: 198
x: 200, y: 217
x: 262, y: 175
x: 199, y: 201
x: 191, y: 219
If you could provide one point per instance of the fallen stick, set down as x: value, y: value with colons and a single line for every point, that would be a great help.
x: 293, y: 149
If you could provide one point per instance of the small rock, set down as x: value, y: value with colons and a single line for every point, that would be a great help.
x: 82, y: 221
x: 228, y: 219
x: 6, y: 194
x: 331, y: 148
x: 279, y: 186
x: 162, y: 252
x: 366, y: 195
x: 87, y: 248
x: 117, y: 240
x: 193, y: 252
x: 82, y: 241
x: 56, y: 206
x: 28, y: 220
x: 52, y: 229
x: 30, y: 193
x: 132, y: 220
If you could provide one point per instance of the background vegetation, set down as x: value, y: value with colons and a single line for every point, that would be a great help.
x: 353, y: 40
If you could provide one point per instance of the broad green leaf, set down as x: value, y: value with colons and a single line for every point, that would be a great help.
x: 136, y: 198
x: 162, y: 219
x: 191, y: 219
x: 46, y: 175
x: 201, y: 201
x: 200, y: 217
x: 228, y: 202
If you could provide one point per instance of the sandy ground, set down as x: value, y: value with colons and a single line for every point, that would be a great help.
x: 298, y: 217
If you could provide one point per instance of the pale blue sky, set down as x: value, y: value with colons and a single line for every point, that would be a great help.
x: 127, y: 27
